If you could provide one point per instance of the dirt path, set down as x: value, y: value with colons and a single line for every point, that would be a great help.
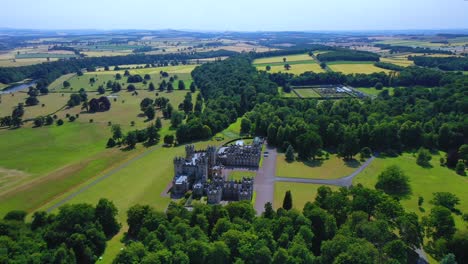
x: 265, y: 181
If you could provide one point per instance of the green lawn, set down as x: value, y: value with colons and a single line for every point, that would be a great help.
x: 332, y: 168
x: 238, y: 175
x: 424, y: 182
x: 308, y: 93
x: 348, y: 67
x: 286, y: 95
x: 279, y: 59
x: 373, y: 91
x: 296, y: 68
x: 301, y: 193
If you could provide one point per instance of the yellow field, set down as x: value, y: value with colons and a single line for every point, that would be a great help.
x: 295, y: 68
x: 301, y: 193
x: 398, y: 60
x: 23, y: 62
x: 279, y: 59
x: 363, y: 67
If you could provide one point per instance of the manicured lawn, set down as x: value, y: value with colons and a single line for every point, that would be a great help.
x: 373, y: 91
x: 332, y: 168
x: 308, y: 93
x: 286, y: 95
x: 238, y: 175
x: 348, y: 67
x: 301, y: 193
x: 424, y: 182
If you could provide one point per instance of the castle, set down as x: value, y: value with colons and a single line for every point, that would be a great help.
x: 200, y: 171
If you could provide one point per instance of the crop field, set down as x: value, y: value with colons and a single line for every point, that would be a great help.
x: 44, y: 55
x: 23, y: 62
x: 299, y: 63
x: 401, y: 60
x: 424, y: 182
x: 301, y: 193
x: 332, y: 168
x: 348, y: 67
x: 279, y: 59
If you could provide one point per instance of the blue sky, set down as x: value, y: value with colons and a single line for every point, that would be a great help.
x: 241, y: 15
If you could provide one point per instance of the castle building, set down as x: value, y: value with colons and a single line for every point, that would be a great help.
x: 199, y: 171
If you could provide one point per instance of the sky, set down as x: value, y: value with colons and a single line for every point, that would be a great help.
x: 236, y: 15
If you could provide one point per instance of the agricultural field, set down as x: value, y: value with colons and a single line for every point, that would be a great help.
x: 301, y: 193
x: 31, y: 55
x: 401, y: 60
x: 424, y: 182
x: 299, y: 63
x: 348, y: 67
x: 333, y: 168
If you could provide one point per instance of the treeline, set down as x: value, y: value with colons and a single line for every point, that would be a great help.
x: 443, y: 63
x: 389, y: 66
x: 76, y: 234
x: 356, y: 225
x: 52, y: 70
x: 410, y: 119
x: 348, y: 55
x: 56, y: 47
x: 409, y: 76
x: 400, y: 49
x: 230, y: 88
x: 284, y: 52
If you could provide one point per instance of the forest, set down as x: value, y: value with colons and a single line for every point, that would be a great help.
x: 443, y: 63
x: 401, y: 49
x: 348, y: 55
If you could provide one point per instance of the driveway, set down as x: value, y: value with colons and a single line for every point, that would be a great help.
x: 264, y: 185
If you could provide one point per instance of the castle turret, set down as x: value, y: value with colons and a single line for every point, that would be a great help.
x: 189, y: 151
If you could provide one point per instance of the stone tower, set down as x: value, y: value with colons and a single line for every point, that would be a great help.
x: 189, y: 151
x: 211, y: 152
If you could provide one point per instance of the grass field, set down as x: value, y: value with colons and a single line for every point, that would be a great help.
x: 239, y: 174
x: 332, y: 168
x: 401, y: 60
x: 286, y: 95
x: 308, y: 93
x: 424, y: 182
x: 373, y: 91
x: 301, y: 193
x: 299, y: 63
x: 348, y: 67
x: 23, y: 62
x: 58, y: 83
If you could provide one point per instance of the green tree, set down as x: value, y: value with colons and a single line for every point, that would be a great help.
x: 106, y: 213
x: 177, y: 118
x: 460, y: 168
x: 424, y: 157
x: 439, y: 223
x: 181, y: 85
x: 131, y: 139
x: 193, y: 88
x: 289, y: 154
x: 446, y: 199
x: 287, y: 201
x: 117, y: 134
x: 393, y: 181
x: 246, y: 125
x: 458, y: 245
x: 152, y: 134
x: 110, y: 143
x: 308, y: 145
x: 379, y: 86
x: 158, y: 123
x: 268, y: 68
x: 350, y: 145
x: 66, y: 84
x: 151, y: 87
x: 150, y: 112
x: 287, y: 66
x: 169, y: 140
x: 101, y: 89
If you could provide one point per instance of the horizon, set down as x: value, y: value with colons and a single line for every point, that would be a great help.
x: 241, y: 16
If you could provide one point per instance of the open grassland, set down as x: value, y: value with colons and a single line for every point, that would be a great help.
x: 279, y: 59
x: 295, y: 68
x: 58, y: 83
x: 332, y: 168
x: 301, y: 193
x: 308, y: 93
x: 411, y: 43
x: 348, y: 67
x: 373, y: 91
x: 424, y: 182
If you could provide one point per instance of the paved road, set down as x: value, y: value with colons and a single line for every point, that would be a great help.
x: 265, y: 181
x: 344, y: 182
x: 99, y: 179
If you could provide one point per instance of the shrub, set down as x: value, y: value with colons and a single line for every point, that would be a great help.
x: 59, y: 122
x: 71, y: 118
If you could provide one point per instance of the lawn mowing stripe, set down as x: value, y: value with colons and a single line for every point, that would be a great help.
x: 98, y: 180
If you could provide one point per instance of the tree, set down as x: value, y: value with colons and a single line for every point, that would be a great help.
x: 131, y: 88
x: 38, y: 121
x: 118, y: 76
x: 424, y: 157
x: 105, y: 215
x: 268, y: 68
x: 460, y: 168
x: 193, y: 88
x: 75, y: 99
x: 439, y: 223
x: 149, y: 112
x: 153, y: 135
x: 66, y: 84
x: 15, y: 215
x: 117, y: 133
x: 458, y: 245
x: 59, y: 122
x: 246, y: 126
x: 181, y: 85
x: 323, y: 65
x: 151, y: 87
x: 110, y: 143
x: 394, y: 182
x: 287, y: 201
x: 131, y: 139
x: 101, y: 89
x: 284, y: 59
x: 445, y: 199
x: 147, y: 77
x: 158, y: 123
x: 308, y: 145
x: 449, y: 259
x: 289, y: 154
x: 287, y: 66
x: 170, y: 87
x: 169, y: 140
x: 378, y: 86
x: 350, y: 145
x: 463, y: 152
x: 177, y: 118
x: 32, y: 100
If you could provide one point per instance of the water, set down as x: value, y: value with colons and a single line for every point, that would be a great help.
x: 18, y: 87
